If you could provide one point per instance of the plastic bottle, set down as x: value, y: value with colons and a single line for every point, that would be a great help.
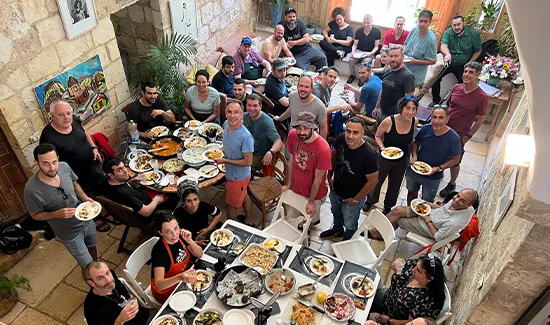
x: 134, y: 135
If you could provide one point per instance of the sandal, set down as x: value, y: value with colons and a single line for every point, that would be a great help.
x: 111, y: 219
x: 371, y: 236
x: 101, y: 226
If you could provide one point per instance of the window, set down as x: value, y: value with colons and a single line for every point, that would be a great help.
x: 384, y: 11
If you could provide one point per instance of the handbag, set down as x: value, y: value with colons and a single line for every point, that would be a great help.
x: 13, y: 239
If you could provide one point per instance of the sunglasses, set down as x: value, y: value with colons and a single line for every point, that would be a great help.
x: 409, y: 97
x: 432, y: 262
x: 62, y: 192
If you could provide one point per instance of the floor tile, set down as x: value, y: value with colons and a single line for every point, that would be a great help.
x: 133, y: 237
x: 62, y: 302
x: 78, y: 317
x: 104, y: 241
x: 13, y: 313
x: 479, y: 148
x: 75, y: 279
x: 112, y: 256
x: 31, y: 316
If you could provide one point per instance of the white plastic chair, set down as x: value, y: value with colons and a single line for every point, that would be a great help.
x: 135, y: 262
x: 358, y: 249
x: 446, y: 310
x: 280, y: 227
x: 440, y: 248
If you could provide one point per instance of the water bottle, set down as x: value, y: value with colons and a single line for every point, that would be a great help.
x: 134, y: 135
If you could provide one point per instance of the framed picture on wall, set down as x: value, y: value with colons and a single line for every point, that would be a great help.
x: 78, y: 16
x: 184, y: 17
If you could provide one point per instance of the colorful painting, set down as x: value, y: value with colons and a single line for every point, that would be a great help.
x: 83, y: 86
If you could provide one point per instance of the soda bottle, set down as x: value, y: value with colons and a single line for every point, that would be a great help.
x: 134, y: 135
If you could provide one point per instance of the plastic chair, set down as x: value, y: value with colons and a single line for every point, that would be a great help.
x: 135, y: 262
x: 429, y: 245
x: 446, y: 310
x: 280, y: 227
x: 358, y: 249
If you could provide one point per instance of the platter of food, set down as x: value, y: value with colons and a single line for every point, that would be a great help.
x: 292, y: 79
x: 214, y: 145
x: 173, y: 165
x: 392, y: 153
x: 132, y: 154
x: 317, y: 37
x: 193, y: 157
x: 280, y: 279
x: 235, y: 285
x: 211, y: 154
x: 321, y: 265
x: 303, y: 315
x: 339, y: 307
x: 359, y: 54
x: 421, y: 168
x: 221, y: 167
x: 209, y: 171
x: 221, y: 237
x: 159, y: 131
x: 87, y: 210
x: 290, y: 61
x: 192, y: 124
x: 364, y: 290
x: 258, y: 258
x: 141, y: 163
x: 204, y: 129
x: 421, y: 207
x: 209, y: 316
x: 294, y: 71
x: 166, y: 146
x: 183, y: 133
x: 203, y: 281
x: 195, y: 142
x: 151, y: 177
x: 274, y: 243
x: 166, y: 320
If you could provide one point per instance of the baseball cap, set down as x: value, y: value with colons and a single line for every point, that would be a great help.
x: 305, y: 119
x: 289, y: 9
x: 246, y: 41
x: 279, y: 64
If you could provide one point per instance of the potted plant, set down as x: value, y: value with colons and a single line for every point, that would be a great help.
x: 490, y: 9
x: 311, y: 24
x: 276, y: 9
x: 163, y: 64
x: 8, y: 294
x: 507, y: 43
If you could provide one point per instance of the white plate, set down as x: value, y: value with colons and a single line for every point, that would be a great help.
x: 290, y: 60
x: 151, y: 182
x: 193, y: 124
x: 418, y: 172
x: 186, y: 133
x: 367, y: 279
x: 196, y: 155
x: 294, y: 71
x: 281, y: 246
x: 84, y: 204
x: 211, y: 310
x: 360, y: 55
x: 132, y: 154
x: 160, y: 131
x: 416, y: 202
x: 163, y: 318
x: 317, y: 37
x: 329, y: 265
x: 407, y: 59
x: 399, y: 155
x: 182, y: 301
x: 261, y: 81
x: 132, y: 165
x: 221, y: 167
x: 195, y: 142
x: 205, y: 154
x: 238, y: 316
x: 197, y: 287
x: 214, y: 241
x: 214, y: 171
x: 214, y: 145
x: 188, y: 177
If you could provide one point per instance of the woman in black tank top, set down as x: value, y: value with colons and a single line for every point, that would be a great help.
x: 394, y: 169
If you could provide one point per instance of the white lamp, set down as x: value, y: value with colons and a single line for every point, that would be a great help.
x: 520, y: 150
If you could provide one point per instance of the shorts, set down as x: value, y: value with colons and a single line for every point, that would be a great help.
x: 236, y: 192
x: 462, y: 151
x: 429, y: 186
x: 78, y: 245
x: 413, y: 224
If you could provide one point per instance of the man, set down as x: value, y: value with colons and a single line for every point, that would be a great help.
x: 119, y: 190
x: 460, y: 44
x: 467, y: 110
x: 108, y: 301
x: 149, y: 110
x: 308, y: 164
x: 297, y: 40
x: 239, y: 90
x: 397, y: 83
x: 275, y: 88
x: 365, y: 99
x: 274, y: 45
x: 303, y: 100
x: 355, y: 170
x: 52, y: 194
x: 323, y: 89
x: 223, y: 80
x: 421, y: 48
x: 442, y: 222
x: 366, y: 42
x: 397, y: 35
x: 440, y: 148
x: 248, y: 62
x: 75, y: 147
x: 238, y: 148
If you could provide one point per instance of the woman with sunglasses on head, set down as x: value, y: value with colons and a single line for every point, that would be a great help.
x: 394, y: 131
x: 418, y: 290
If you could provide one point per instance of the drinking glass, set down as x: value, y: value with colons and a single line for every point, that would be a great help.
x: 155, y: 164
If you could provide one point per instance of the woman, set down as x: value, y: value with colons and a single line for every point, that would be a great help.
x: 202, y: 102
x: 418, y: 290
x: 338, y: 37
x: 397, y: 131
x: 383, y: 64
x: 193, y: 214
x: 171, y: 257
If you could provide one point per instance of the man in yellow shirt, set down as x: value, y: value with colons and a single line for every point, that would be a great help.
x: 274, y: 44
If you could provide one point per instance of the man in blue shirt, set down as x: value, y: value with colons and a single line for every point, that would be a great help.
x: 365, y: 99
x: 223, y: 80
x: 238, y: 148
x: 440, y: 147
x: 421, y: 48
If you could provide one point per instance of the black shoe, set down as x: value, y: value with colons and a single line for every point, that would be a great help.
x: 386, y: 211
x: 450, y: 188
x: 367, y: 206
x: 330, y: 233
x: 350, y: 79
x: 432, y: 104
x: 360, y: 83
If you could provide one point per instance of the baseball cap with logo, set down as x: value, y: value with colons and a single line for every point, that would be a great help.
x: 289, y: 9
x: 246, y: 41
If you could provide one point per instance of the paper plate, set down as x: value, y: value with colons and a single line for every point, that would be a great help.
x: 239, y: 316
x: 420, y: 207
x: 392, y: 153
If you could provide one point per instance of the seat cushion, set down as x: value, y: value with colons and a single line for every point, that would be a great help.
x: 265, y: 189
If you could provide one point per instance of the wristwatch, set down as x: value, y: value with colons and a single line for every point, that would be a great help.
x: 440, y: 168
x: 272, y: 152
x: 355, y: 201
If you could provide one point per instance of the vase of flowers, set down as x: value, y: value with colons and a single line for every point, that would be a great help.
x: 499, y: 68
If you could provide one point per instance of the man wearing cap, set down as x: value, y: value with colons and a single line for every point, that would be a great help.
x: 274, y: 45
x: 248, y: 62
x: 297, y: 40
x: 308, y: 164
x: 275, y: 88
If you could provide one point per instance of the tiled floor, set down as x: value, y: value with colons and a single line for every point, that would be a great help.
x: 59, y: 291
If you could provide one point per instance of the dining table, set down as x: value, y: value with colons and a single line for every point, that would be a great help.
x: 288, y: 259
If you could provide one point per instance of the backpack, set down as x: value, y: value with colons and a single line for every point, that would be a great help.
x: 14, y: 238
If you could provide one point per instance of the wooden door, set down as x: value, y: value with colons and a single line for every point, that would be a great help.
x: 12, y: 184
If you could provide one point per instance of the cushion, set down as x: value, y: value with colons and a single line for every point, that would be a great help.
x: 191, y: 75
x: 433, y: 71
x: 211, y: 71
x: 219, y: 63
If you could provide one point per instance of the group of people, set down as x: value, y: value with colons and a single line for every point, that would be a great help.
x: 349, y: 170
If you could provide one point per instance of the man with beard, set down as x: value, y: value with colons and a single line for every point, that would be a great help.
x: 421, y: 48
x: 304, y: 101
x: 460, y: 44
x: 366, y: 42
x: 120, y: 191
x: 274, y: 44
x: 275, y: 88
x: 297, y: 40
x: 308, y: 165
x: 355, y: 171
x: 148, y: 111
x: 108, y: 301
x: 239, y: 90
x: 365, y: 99
x: 223, y: 80
x: 397, y: 83
x: 440, y: 148
x: 52, y: 194
x: 323, y: 89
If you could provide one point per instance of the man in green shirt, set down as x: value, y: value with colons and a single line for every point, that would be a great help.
x: 460, y: 44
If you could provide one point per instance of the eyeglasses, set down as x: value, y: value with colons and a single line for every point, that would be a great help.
x: 62, y: 192
x: 409, y: 97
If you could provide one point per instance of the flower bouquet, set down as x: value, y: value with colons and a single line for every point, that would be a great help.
x: 500, y: 67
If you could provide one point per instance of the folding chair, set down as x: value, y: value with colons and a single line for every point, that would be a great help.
x: 280, y: 227
x: 446, y: 310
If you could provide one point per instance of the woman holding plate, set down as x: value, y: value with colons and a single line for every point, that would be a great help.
x: 202, y: 102
x: 171, y: 257
x: 397, y: 132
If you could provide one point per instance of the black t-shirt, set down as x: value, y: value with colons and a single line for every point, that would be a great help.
x: 101, y: 310
x: 341, y: 34
x: 127, y: 195
x: 394, y: 86
x: 351, y: 167
x: 296, y: 34
x: 275, y: 89
x: 141, y: 115
x: 160, y: 257
x: 194, y: 222
x: 366, y: 42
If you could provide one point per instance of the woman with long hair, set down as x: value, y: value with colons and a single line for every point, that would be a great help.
x: 382, y: 65
x: 202, y: 102
x: 338, y: 37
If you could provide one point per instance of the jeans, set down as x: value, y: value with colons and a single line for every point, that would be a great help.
x: 310, y: 56
x: 429, y: 186
x: 330, y: 50
x: 436, y: 87
x: 344, y: 215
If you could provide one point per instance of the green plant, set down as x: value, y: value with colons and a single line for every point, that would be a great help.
x: 489, y: 11
x: 7, y: 284
x: 507, y: 43
x: 472, y: 17
x: 490, y: 8
x: 164, y: 64
x: 311, y: 23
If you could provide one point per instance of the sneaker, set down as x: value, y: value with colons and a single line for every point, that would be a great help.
x: 341, y: 54
x: 432, y: 104
x: 350, y: 79
x: 330, y: 233
x: 450, y: 188
x: 367, y: 206
x: 360, y: 83
x: 301, y: 224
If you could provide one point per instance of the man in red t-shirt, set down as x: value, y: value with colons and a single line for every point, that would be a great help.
x: 396, y: 35
x: 467, y: 109
x: 308, y: 164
